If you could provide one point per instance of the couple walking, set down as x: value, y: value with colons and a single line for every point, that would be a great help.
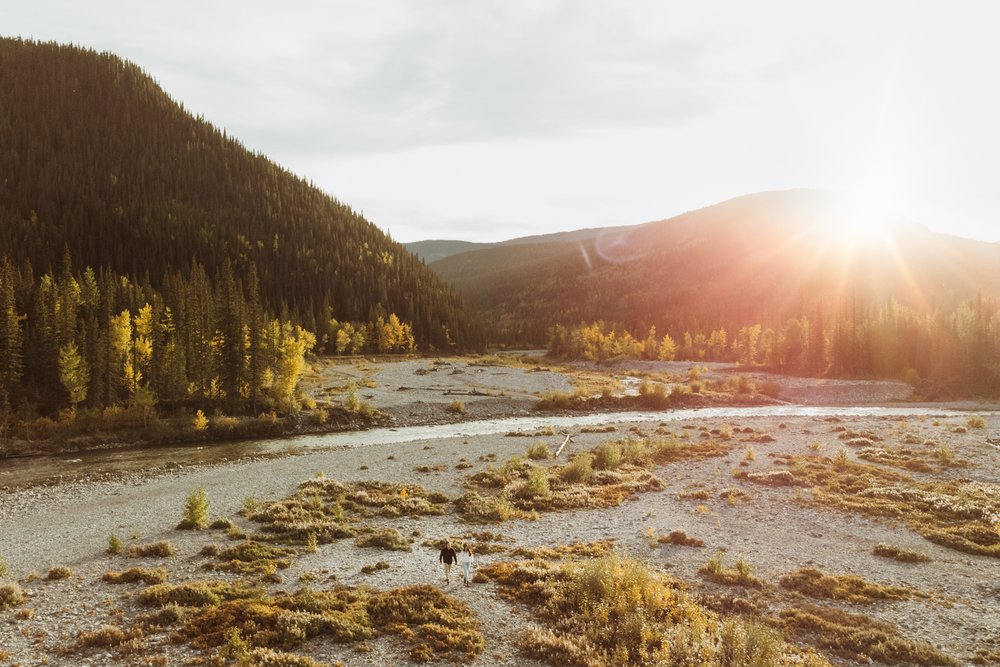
x: 464, y: 558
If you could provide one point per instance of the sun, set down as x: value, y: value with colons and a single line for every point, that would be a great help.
x: 861, y: 218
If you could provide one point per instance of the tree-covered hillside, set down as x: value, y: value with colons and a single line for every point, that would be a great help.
x: 96, y: 159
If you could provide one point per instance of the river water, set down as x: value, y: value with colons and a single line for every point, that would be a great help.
x: 33, y: 470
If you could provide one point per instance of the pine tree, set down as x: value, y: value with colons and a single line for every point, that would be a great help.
x: 73, y: 373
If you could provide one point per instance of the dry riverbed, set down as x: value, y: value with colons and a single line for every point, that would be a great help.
x: 773, y: 493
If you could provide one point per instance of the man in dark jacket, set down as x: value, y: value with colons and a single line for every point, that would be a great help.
x: 448, y: 557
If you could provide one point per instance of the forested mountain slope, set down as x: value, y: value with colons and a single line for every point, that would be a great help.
x: 760, y: 259
x: 96, y: 159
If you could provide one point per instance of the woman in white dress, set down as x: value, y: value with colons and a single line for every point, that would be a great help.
x: 465, y: 559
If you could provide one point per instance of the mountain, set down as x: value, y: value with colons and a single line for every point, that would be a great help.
x: 760, y: 258
x: 97, y: 160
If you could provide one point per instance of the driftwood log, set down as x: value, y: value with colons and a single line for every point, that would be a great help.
x: 559, y: 451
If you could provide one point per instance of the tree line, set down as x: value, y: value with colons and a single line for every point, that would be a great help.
x: 958, y: 352
x: 96, y: 340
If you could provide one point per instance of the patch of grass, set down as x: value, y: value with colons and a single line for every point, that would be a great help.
x: 11, y: 595
x: 976, y: 422
x: 195, y: 594
x: 58, y: 573
x: 107, y: 636
x: 160, y: 549
x: 384, y: 538
x: 607, y: 456
x: 850, y: 588
x: 434, y: 624
x: 859, y: 638
x: 617, y: 611
x: 575, y: 550
x: 456, y: 407
x: 374, y: 567
x: 195, y: 511
x: 579, y: 470
x: 536, y: 486
x: 770, y: 477
x: 488, y: 509
x: 898, y: 554
x: 253, y: 557
x: 222, y: 524
x: 740, y: 574
x: 679, y: 538
x: 539, y: 451
x: 136, y: 574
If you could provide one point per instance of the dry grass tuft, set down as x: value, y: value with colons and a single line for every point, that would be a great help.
x: 252, y: 557
x: 11, y: 595
x: 58, y: 573
x: 152, y: 550
x: 849, y: 588
x: 859, y: 638
x: 898, y: 554
x: 679, y: 538
x: 155, y: 576
x: 615, y: 610
x: 195, y: 594
x: 740, y: 574
x: 385, y: 538
x: 566, y: 551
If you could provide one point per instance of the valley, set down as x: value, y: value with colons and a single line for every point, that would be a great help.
x: 715, y: 487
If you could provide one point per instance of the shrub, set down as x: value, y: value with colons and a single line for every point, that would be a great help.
x: 539, y: 451
x: 4, y: 569
x: 152, y: 550
x: 976, y: 422
x: 486, y: 509
x: 375, y: 567
x: 11, y: 595
x: 155, y: 576
x: 579, y: 470
x: 536, y: 486
x: 456, y: 406
x: 385, y: 538
x: 195, y: 511
x: 104, y: 637
x: 680, y: 538
x: 607, y: 456
x: 115, y: 545
x: 810, y: 581
x: 58, y: 573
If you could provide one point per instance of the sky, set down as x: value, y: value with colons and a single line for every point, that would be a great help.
x: 491, y: 119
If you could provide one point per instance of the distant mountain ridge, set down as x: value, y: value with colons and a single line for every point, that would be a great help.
x: 757, y: 258
x: 97, y: 160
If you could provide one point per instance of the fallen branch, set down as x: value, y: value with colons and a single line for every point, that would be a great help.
x: 559, y: 451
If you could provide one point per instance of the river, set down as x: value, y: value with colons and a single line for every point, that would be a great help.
x: 19, y: 472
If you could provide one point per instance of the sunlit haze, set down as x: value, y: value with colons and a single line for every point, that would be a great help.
x: 490, y: 120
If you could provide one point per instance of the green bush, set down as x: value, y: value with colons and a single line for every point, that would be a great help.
x: 580, y: 469
x: 115, y: 545
x: 607, y: 456
x: 195, y: 511
x: 539, y: 451
x: 536, y: 486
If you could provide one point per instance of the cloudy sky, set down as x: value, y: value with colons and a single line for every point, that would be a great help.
x: 485, y: 120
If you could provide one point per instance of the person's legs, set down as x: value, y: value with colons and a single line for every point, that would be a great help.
x: 466, y: 573
x: 447, y: 573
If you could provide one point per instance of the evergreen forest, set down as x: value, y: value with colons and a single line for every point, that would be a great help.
x: 148, y: 258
